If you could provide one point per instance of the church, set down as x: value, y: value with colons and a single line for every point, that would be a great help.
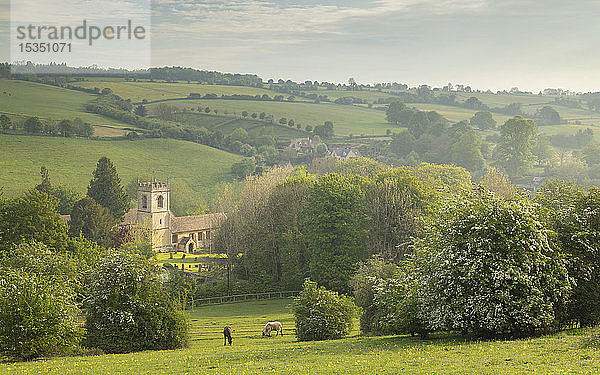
x: 169, y: 232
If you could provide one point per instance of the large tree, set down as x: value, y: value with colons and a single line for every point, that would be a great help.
x: 92, y: 220
x: 483, y: 120
x: 398, y: 113
x: 33, y: 125
x: 106, y: 189
x: 334, y: 229
x: 30, y: 217
x: 514, y: 150
x: 466, y: 152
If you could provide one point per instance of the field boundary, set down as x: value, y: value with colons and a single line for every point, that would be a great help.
x: 242, y: 297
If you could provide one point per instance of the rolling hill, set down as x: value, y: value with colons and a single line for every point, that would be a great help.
x: 195, y: 170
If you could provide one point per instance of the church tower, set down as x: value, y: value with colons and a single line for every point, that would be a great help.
x: 153, y: 199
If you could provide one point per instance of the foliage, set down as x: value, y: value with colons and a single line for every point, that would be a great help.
x: 483, y: 120
x: 129, y: 310
x: 30, y: 217
x: 548, y: 116
x: 363, y: 283
x: 92, y: 221
x: 387, y: 294
x: 37, y: 315
x: 334, y: 229
x: 574, y: 215
x: 466, y: 152
x: 321, y: 314
x: 514, y: 150
x: 486, y: 266
x: 243, y: 168
x: 498, y: 183
x: 106, y: 189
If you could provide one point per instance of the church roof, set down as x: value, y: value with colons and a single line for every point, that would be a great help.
x: 183, y: 224
x: 196, y: 222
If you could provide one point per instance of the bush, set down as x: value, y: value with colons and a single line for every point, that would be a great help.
x: 397, y: 305
x: 37, y: 315
x: 574, y: 215
x: 387, y: 295
x: 486, y: 267
x: 129, y: 310
x: 363, y: 283
x: 321, y: 314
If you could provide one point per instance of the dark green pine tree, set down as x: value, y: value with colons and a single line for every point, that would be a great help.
x: 106, y: 189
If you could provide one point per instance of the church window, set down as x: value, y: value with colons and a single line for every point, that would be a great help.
x: 200, y: 237
x: 144, y: 202
x: 160, y: 201
x: 208, y: 235
x: 174, y: 238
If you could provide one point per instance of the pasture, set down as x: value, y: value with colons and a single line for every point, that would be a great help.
x: 22, y: 98
x: 138, y: 91
x: 227, y: 124
x: 346, y: 119
x: 562, y: 353
x: 195, y: 170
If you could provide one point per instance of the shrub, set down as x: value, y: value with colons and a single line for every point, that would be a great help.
x: 486, y: 267
x: 321, y: 314
x: 363, y: 283
x: 396, y: 303
x: 37, y: 315
x: 387, y: 295
x: 574, y: 215
x: 129, y: 310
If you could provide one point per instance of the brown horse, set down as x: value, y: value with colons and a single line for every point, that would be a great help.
x: 270, y: 326
x: 227, y: 333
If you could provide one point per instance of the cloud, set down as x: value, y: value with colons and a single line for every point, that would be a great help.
x: 234, y: 18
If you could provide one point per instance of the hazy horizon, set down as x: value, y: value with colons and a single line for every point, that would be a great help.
x: 486, y: 44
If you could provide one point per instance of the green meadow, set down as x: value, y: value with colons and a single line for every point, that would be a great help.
x: 455, y: 114
x: 346, y: 119
x: 22, y: 98
x: 196, y: 170
x: 562, y: 353
x: 138, y: 91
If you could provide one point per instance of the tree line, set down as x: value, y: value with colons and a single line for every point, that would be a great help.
x: 423, y: 249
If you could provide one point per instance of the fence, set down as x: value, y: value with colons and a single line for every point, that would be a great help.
x: 241, y: 297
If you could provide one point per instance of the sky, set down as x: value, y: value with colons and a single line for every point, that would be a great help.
x: 487, y: 44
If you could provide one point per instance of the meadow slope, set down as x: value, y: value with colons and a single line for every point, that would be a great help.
x: 252, y: 354
x: 195, y: 169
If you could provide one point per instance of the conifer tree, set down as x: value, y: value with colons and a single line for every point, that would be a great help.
x: 106, y: 189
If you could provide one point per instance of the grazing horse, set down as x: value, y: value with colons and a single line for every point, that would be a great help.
x: 227, y: 333
x: 270, y: 326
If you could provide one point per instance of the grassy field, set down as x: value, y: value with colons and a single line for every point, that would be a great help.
x: 455, y: 114
x: 138, y: 91
x: 227, y: 124
x: 195, y: 170
x: 23, y: 98
x: 346, y: 119
x: 562, y: 353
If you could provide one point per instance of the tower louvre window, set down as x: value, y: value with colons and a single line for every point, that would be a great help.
x: 144, y: 202
x: 160, y: 200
